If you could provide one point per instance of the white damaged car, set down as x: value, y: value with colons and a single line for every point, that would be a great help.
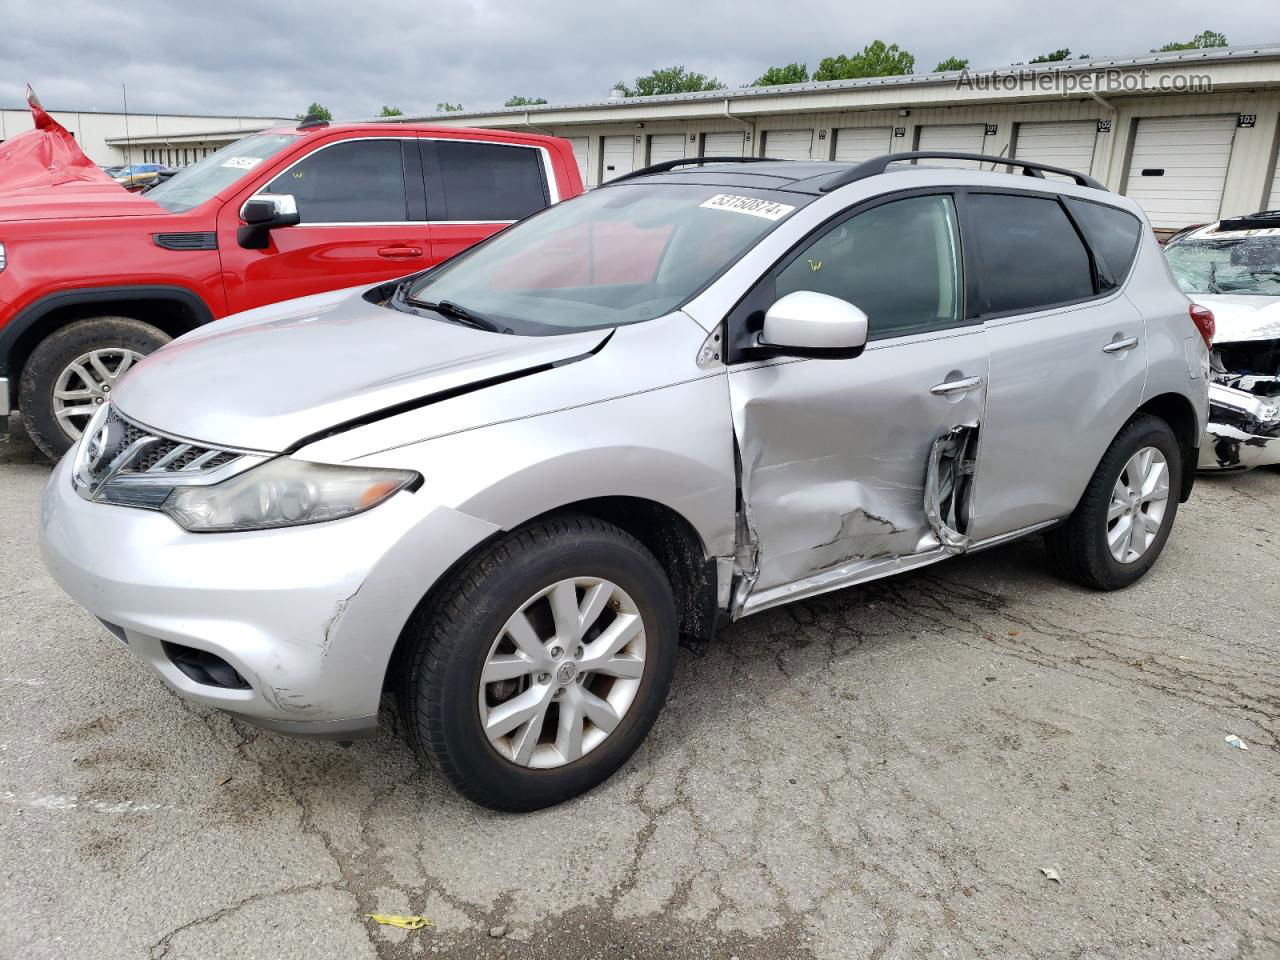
x: 1233, y: 268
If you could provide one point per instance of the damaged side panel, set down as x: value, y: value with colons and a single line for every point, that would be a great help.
x: 851, y: 467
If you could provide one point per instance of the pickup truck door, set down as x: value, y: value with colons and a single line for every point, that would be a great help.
x: 477, y: 187
x: 834, y: 454
x: 363, y: 220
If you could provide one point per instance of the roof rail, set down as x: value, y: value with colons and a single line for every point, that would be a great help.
x: 877, y: 165
x: 311, y: 121
x: 1262, y: 220
x: 666, y: 165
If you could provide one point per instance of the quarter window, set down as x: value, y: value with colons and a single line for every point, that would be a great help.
x: 1112, y: 233
x: 898, y: 262
x: 359, y: 181
x: 488, y: 182
x: 1029, y: 256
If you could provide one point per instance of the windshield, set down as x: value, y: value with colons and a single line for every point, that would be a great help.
x: 1241, y: 265
x: 614, y: 256
x: 193, y: 185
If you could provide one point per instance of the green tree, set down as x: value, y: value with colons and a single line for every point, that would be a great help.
x: 1054, y: 57
x: 1209, y: 38
x: 776, y: 76
x: 876, y: 60
x: 952, y: 63
x: 447, y: 107
x: 524, y: 102
x: 669, y: 80
x: 316, y: 109
x: 391, y: 112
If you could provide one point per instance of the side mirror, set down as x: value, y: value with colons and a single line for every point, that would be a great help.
x: 809, y: 324
x: 262, y: 214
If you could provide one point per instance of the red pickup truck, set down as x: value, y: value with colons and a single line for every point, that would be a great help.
x: 93, y: 278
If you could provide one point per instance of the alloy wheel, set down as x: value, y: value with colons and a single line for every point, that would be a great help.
x: 1138, y: 502
x: 86, y: 383
x: 562, y: 673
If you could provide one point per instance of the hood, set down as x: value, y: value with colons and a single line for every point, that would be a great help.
x: 1239, y: 317
x: 268, y: 378
x: 45, y: 175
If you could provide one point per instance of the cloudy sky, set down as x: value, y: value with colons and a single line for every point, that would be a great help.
x: 273, y: 57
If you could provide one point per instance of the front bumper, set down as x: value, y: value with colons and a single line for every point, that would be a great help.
x: 1243, y: 432
x: 307, y: 616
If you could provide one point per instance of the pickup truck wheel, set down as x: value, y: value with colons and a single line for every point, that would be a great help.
x: 540, y: 667
x: 1124, y: 518
x: 73, y: 371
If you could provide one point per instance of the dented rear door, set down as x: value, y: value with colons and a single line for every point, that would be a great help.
x: 834, y: 453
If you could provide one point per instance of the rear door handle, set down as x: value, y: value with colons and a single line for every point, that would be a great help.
x: 400, y: 253
x: 1116, y: 346
x: 956, y: 386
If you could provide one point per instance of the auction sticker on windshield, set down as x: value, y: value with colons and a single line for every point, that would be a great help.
x: 753, y: 206
x: 242, y: 163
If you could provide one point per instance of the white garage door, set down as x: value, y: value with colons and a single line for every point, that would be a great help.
x: 788, y: 144
x: 1068, y: 144
x: 666, y: 146
x: 579, y: 145
x: 1179, y: 167
x: 855, y: 144
x: 723, y: 145
x: 616, y: 157
x: 957, y: 138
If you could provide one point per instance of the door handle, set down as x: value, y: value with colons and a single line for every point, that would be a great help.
x: 400, y: 253
x: 1116, y: 346
x: 956, y: 386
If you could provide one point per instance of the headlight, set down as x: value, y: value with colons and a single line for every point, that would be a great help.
x: 284, y: 493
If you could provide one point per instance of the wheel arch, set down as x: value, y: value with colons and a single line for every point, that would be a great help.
x: 172, y: 309
x: 668, y: 535
x: 1176, y: 410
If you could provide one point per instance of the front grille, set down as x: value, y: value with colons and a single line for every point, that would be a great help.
x: 1249, y: 365
x: 119, y: 461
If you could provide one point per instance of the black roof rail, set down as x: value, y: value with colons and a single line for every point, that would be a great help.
x: 666, y: 165
x: 877, y: 165
x: 311, y: 121
x: 1262, y: 220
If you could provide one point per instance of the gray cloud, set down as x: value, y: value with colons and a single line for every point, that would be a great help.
x: 275, y: 57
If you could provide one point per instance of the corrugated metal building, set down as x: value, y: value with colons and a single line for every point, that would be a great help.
x: 1191, y: 135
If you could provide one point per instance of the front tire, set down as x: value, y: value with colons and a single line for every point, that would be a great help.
x: 73, y: 370
x: 1120, y: 526
x: 541, y: 665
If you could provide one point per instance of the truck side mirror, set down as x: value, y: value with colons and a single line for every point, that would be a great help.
x: 264, y: 213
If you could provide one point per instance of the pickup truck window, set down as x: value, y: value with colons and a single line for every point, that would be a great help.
x: 352, y: 181
x: 195, y: 184
x: 486, y: 182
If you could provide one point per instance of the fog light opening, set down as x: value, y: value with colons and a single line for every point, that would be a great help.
x: 204, y: 667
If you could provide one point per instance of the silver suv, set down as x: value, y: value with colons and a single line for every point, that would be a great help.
x: 507, y: 488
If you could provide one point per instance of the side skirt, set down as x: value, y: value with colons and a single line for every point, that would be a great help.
x: 866, y: 571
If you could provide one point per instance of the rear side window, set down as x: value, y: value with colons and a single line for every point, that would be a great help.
x: 357, y: 181
x: 486, y: 181
x: 1113, y: 234
x: 1029, y: 255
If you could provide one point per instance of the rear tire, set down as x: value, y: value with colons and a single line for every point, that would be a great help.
x: 111, y: 340
x: 1084, y: 548
x: 452, y: 713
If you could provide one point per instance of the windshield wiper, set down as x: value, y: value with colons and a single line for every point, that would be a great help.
x: 458, y: 312
x: 447, y: 308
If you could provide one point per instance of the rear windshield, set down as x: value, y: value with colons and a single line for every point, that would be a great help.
x: 1243, y: 265
x: 617, y: 255
x: 193, y: 185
